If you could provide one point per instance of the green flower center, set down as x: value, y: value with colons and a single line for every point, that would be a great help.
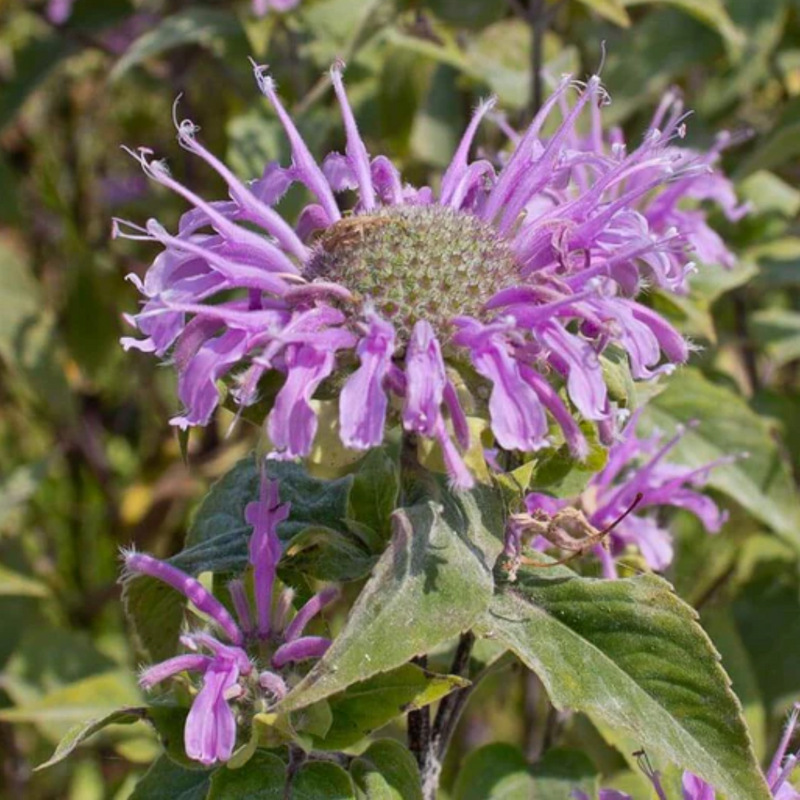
x: 416, y: 262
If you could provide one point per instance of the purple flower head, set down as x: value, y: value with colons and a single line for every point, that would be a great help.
x: 228, y: 674
x: 638, y: 477
x: 509, y: 282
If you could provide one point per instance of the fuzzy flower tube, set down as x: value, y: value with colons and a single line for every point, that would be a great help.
x: 232, y: 679
x: 636, y: 480
x: 495, y: 295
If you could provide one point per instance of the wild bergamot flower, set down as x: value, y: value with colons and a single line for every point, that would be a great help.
x: 517, y: 276
x: 232, y: 685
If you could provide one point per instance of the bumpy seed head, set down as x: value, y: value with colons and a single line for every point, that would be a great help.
x: 416, y: 262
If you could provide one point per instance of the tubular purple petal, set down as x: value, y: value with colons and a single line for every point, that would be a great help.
x: 363, y: 401
x: 210, y: 732
x: 151, y: 676
x: 310, y: 610
x: 304, y: 164
x: 265, y: 549
x: 292, y: 423
x: 191, y: 588
x: 241, y: 604
x: 356, y: 151
x: 300, y: 650
x: 425, y: 381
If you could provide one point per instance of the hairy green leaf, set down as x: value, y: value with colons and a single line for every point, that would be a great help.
x: 166, y: 780
x: 263, y: 777
x: 431, y: 583
x: 497, y: 771
x: 630, y: 653
x: 369, y: 705
x: 387, y: 770
x: 560, y: 772
x: 79, y: 733
x: 322, y: 780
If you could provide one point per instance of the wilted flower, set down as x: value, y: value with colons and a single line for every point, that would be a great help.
x: 635, y: 478
x: 516, y: 280
x: 229, y: 675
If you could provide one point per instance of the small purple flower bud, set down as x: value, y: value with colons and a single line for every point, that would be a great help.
x: 272, y: 683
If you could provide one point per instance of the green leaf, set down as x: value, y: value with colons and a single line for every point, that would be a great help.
x: 89, y: 698
x: 19, y: 487
x: 561, y: 772
x: 779, y: 146
x: 767, y: 612
x: 438, y: 123
x: 313, y: 501
x: 644, y: 60
x: 778, y: 332
x: 155, y: 614
x: 327, y: 555
x: 38, y: 665
x: 376, y: 486
x: 207, y: 27
x: 761, y: 483
x: 500, y: 57
x: 559, y: 473
x: 709, y: 12
x: 28, y: 339
x: 263, y: 777
x: 431, y: 583
x: 338, y: 28
x: 769, y: 194
x: 496, y: 771
x: 711, y: 282
x: 719, y: 623
x: 476, y: 14
x: 778, y: 262
x: 387, y: 770
x: 79, y: 733
x: 630, y: 653
x: 218, y: 538
x: 320, y: 780
x: 369, y: 705
x: 32, y: 64
x: 15, y: 584
x: 613, y: 10
x: 165, y: 780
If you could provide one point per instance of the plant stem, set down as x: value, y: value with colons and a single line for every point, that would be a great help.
x: 447, y: 718
x: 419, y: 726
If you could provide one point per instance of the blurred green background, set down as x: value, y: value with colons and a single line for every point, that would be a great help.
x: 87, y: 460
